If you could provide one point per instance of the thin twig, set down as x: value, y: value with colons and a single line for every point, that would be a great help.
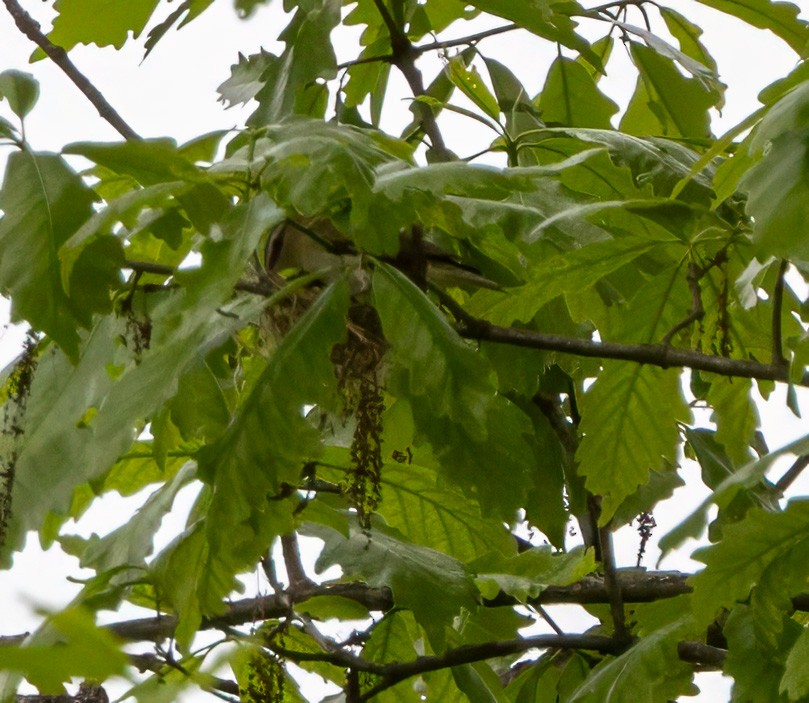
x: 567, y: 435
x: 396, y: 34
x: 383, y: 58
x: 31, y: 29
x: 777, y: 306
x: 464, y: 41
x: 396, y: 672
x: 292, y: 560
x: 791, y: 474
x: 548, y: 619
x: 697, y: 310
x: 613, y: 585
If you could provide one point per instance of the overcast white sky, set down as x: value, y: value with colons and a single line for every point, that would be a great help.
x: 173, y: 94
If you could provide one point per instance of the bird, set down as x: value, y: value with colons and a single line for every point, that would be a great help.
x: 312, y: 245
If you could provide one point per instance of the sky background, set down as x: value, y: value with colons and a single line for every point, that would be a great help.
x: 173, y: 93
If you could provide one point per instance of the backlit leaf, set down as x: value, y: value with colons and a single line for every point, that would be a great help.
x: 764, y: 544
x: 434, y: 586
x: 20, y: 89
x: 101, y: 22
x: 781, y: 18
x: 43, y: 203
x: 571, y: 98
x: 629, y: 427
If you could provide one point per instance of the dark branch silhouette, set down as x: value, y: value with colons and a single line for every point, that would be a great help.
x: 31, y: 29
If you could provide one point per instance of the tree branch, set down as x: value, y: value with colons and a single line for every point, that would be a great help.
x: 256, y: 287
x: 637, y: 586
x: 464, y: 41
x: 292, y: 560
x: 653, y: 354
x: 703, y: 656
x: 396, y: 672
x: 404, y: 56
x: 31, y: 29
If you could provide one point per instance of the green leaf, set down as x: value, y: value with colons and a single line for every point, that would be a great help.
x: 476, y: 434
x: 43, y: 203
x: 537, y: 683
x: 199, y: 410
x: 778, y: 191
x: 434, y: 516
x: 434, y: 586
x: 479, y: 683
x: 765, y: 546
x: 735, y: 415
x: 149, y: 161
x: 747, y: 476
x: 124, y: 209
x: 512, y: 98
x: 708, y: 77
x: 187, y: 11
x: 393, y: 638
x: 777, y: 183
x: 570, y: 272
x: 629, y: 426
x: 717, y: 467
x: 315, y: 169
x: 101, y: 22
x: 657, y: 162
x: 328, y: 607
x: 245, y: 80
x: 665, y: 102
x: 550, y: 19
x: 650, y: 670
x: 441, y: 367
x: 571, y: 98
x: 795, y: 681
x: 781, y: 18
x: 471, y: 84
x: 82, y: 649
x: 131, y: 543
x: 757, y: 668
x: 270, y: 434
x: 525, y: 576
x: 20, y: 89
x: 688, y: 35
x: 288, y: 77
x: 7, y: 130
x: 59, y: 451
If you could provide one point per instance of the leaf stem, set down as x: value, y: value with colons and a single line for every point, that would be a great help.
x: 778, y: 358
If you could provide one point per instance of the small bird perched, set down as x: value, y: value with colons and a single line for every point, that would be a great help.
x: 316, y: 245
